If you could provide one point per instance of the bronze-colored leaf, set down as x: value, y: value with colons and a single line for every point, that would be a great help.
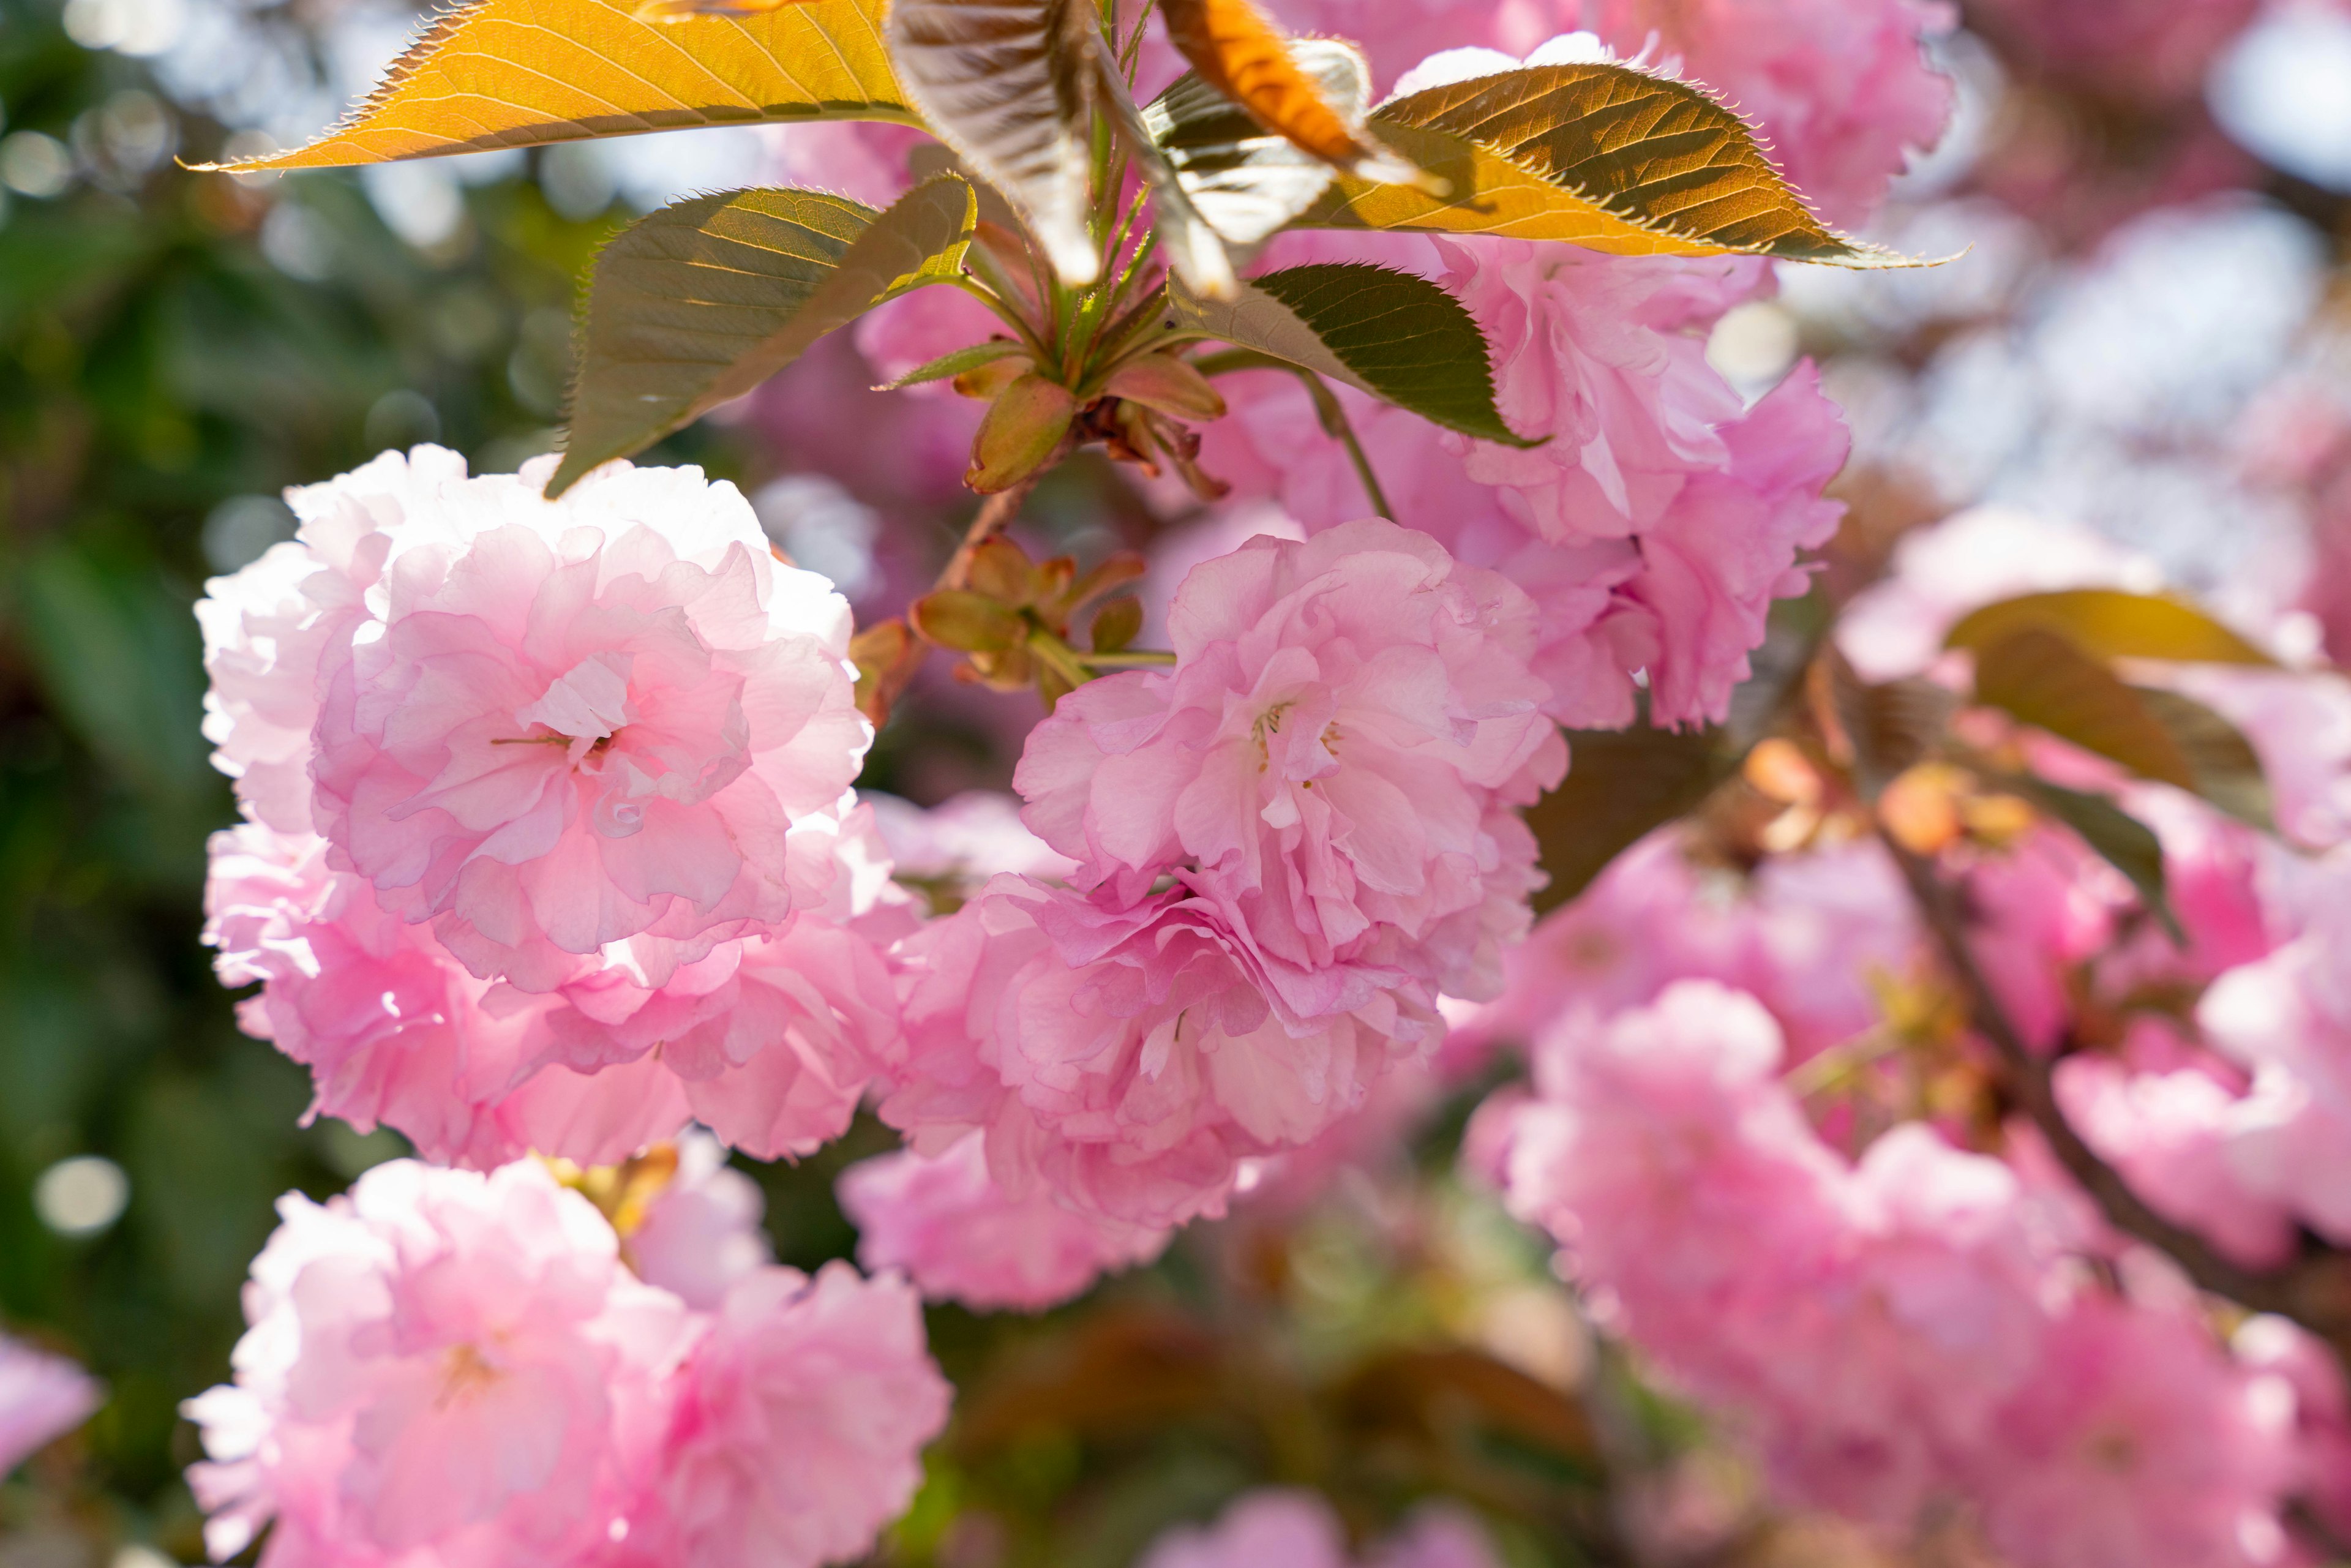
x: 1011, y: 85
x: 2112, y: 624
x: 522, y: 73
x: 2227, y: 770
x: 1601, y: 154
x: 701, y: 301
x: 2044, y: 679
x: 1620, y: 785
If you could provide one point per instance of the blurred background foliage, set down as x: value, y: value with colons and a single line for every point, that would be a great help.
x: 176, y: 349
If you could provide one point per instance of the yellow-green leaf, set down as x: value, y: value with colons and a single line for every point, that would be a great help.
x: 2044, y: 679
x: 2113, y: 624
x: 1395, y: 335
x: 704, y: 299
x: 520, y: 73
x: 1603, y: 155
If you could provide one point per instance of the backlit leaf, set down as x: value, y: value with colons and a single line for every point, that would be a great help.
x: 701, y: 301
x: 2044, y: 679
x: 1603, y: 155
x: 956, y: 363
x: 2227, y: 770
x: 2119, y: 839
x: 1620, y: 784
x: 1244, y: 181
x: 2114, y: 625
x: 1238, y: 51
x: 1012, y: 85
x: 1391, y: 334
x: 521, y: 73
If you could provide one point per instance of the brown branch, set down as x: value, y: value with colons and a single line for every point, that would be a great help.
x: 995, y: 514
x: 2312, y: 1289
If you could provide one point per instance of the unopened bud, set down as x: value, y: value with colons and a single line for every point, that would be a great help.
x: 1024, y: 428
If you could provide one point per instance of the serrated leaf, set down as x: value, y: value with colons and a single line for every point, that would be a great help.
x: 948, y: 366
x: 701, y: 301
x: 1243, y: 181
x: 522, y: 73
x: 2227, y: 770
x: 1391, y: 334
x: 2112, y: 624
x: 1011, y: 85
x: 2044, y: 679
x: 1600, y: 154
x: 1620, y: 785
x: 2119, y: 839
x: 1238, y: 51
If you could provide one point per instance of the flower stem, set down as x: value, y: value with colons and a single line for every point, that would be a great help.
x: 1335, y: 424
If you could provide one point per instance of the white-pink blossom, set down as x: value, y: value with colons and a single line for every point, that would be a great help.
x: 546, y: 728
x: 42, y: 1398
x: 439, y: 1368
x: 946, y: 1223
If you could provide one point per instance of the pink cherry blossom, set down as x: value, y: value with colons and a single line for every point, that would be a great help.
x: 799, y: 1425
x: 702, y: 1232
x: 1299, y: 1529
x: 1654, y: 526
x: 438, y: 1369
x: 947, y: 1225
x: 42, y: 1398
x: 1124, y: 1059
x: 769, y: 1038
x: 544, y: 727
x: 1329, y: 763
x: 964, y: 839
x: 2137, y: 1440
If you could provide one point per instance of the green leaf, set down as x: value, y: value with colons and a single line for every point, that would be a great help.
x: 950, y: 365
x: 2114, y: 625
x: 701, y: 301
x: 2227, y: 770
x: 1620, y: 785
x: 2119, y: 839
x: 522, y: 73
x: 1391, y: 334
x: 1603, y: 155
x: 2044, y: 679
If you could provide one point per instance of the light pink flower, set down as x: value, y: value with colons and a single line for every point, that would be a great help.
x: 2138, y: 1441
x: 438, y: 1365
x: 1807, y: 934
x: 769, y: 1040
x: 42, y: 1398
x: 1298, y: 1530
x: 1124, y: 1059
x: 964, y: 840
x: 947, y: 1225
x: 799, y: 1427
x: 702, y: 1232
x: 1329, y: 763
x: 546, y: 728
x: 1654, y: 526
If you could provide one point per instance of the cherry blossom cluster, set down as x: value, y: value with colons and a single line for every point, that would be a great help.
x: 449, y: 1367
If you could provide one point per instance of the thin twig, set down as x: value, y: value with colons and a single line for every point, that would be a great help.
x: 995, y: 514
x: 2312, y: 1289
x: 1333, y: 415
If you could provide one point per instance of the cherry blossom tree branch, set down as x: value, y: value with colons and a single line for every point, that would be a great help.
x: 2312, y: 1289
